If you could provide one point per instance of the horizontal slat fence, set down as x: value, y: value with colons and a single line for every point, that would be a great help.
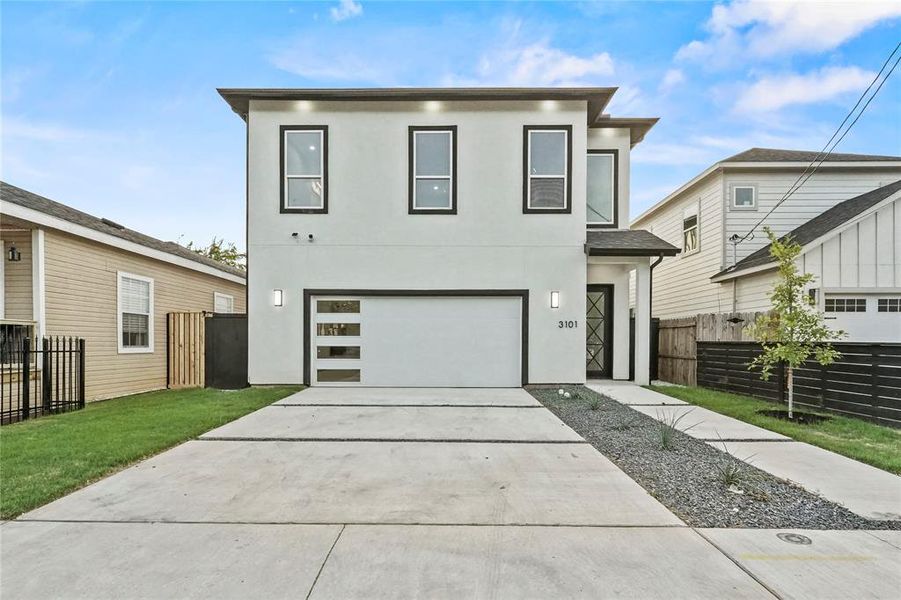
x: 865, y: 382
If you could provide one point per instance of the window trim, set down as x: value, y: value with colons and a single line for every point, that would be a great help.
x: 216, y: 296
x: 149, y: 349
x: 615, y: 223
x: 283, y: 177
x: 412, y: 209
x: 527, y: 177
x: 697, y: 227
x: 735, y: 186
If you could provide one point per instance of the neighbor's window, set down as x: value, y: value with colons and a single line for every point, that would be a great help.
x: 690, y: 238
x: 845, y: 305
x: 223, y: 303
x: 889, y: 305
x: 547, y: 161
x: 304, y: 169
x: 433, y: 177
x: 602, y: 179
x: 744, y: 196
x: 135, y: 313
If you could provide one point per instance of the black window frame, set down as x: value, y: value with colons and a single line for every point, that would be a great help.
x: 283, y: 159
x: 411, y: 170
x: 526, y: 180
x: 615, y: 153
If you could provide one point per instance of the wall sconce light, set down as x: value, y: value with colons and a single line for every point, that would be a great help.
x: 555, y: 299
x: 278, y: 298
x: 14, y: 255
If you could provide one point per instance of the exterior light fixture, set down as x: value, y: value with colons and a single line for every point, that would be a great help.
x: 555, y: 299
x: 14, y: 255
x: 278, y: 298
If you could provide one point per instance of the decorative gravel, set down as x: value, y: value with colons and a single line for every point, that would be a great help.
x: 686, y: 478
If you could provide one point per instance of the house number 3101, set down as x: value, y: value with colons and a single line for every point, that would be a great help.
x: 567, y: 324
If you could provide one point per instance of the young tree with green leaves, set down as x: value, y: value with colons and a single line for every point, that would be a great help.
x: 794, y: 330
x: 221, y: 251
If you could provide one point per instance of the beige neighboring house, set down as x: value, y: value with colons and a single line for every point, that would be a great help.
x: 67, y: 273
x: 846, y: 216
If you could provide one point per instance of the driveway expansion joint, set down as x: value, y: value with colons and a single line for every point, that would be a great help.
x: 737, y: 563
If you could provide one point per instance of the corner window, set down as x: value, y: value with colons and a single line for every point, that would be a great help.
x: 223, y: 303
x: 304, y: 169
x: 846, y: 305
x: 547, y: 163
x: 433, y: 170
x: 744, y: 197
x: 602, y: 178
x: 135, y: 307
x: 691, y: 241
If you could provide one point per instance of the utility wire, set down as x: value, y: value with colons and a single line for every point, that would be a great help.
x: 826, y: 151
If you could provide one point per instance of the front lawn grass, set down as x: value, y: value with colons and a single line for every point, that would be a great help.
x: 45, y: 458
x: 861, y: 440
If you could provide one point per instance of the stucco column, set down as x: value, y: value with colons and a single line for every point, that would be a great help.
x: 642, y: 323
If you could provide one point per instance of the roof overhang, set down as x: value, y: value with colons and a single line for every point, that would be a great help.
x: 596, y: 97
x: 626, y: 243
x: 638, y: 127
x: 630, y: 252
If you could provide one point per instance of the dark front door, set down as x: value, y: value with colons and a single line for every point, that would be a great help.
x: 599, y: 331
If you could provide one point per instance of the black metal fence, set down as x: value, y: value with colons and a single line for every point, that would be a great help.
x: 40, y: 377
x: 865, y: 382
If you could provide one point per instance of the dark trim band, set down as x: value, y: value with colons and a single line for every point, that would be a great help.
x: 411, y: 170
x: 615, y: 223
x: 281, y: 162
x: 524, y: 316
x: 567, y: 200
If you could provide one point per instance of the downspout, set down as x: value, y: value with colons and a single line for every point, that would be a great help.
x: 651, y: 302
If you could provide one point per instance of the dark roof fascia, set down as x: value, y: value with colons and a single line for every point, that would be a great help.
x: 630, y: 252
x: 597, y: 97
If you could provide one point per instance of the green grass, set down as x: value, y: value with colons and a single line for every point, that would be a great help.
x: 45, y: 458
x: 861, y: 440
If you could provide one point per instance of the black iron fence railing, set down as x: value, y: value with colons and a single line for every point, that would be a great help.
x: 41, y: 377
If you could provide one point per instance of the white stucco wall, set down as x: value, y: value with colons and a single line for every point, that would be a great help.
x: 368, y: 241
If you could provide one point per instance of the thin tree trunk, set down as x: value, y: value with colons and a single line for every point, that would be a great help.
x: 791, y: 389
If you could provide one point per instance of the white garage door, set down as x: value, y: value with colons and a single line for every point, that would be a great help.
x: 416, y: 341
x: 865, y: 317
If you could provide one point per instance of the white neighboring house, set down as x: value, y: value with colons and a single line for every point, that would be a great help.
x: 846, y: 216
x: 442, y: 237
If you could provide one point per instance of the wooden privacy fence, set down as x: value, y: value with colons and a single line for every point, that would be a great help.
x: 677, y: 352
x: 185, y: 349
x: 865, y: 382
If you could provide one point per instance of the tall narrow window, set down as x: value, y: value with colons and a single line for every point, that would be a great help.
x: 304, y: 168
x: 547, y: 163
x: 691, y: 241
x: 433, y: 170
x: 601, y: 193
x: 135, y: 313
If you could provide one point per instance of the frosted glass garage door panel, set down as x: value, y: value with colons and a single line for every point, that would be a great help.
x: 449, y: 342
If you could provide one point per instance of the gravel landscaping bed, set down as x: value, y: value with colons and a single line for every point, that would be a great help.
x: 688, y: 478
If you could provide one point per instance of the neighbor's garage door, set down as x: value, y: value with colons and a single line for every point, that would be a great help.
x: 416, y: 341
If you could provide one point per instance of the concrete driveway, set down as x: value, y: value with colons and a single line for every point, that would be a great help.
x: 371, y: 493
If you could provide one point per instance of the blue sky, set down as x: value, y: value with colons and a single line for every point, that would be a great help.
x: 112, y: 108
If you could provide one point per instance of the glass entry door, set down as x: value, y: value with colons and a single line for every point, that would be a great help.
x: 599, y: 331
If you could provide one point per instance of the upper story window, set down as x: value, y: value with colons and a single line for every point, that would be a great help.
x: 744, y: 197
x: 223, y: 303
x: 547, y: 164
x: 602, y: 177
x: 433, y: 170
x: 135, y: 313
x: 691, y: 241
x: 304, y: 169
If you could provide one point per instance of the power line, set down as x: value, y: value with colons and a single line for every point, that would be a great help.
x: 824, y: 153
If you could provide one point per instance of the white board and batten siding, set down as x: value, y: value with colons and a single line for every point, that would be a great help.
x: 822, y: 191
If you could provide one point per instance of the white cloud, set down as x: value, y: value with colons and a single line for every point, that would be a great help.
x: 346, y: 9
x: 671, y: 79
x: 764, y: 28
x: 15, y: 127
x: 775, y: 92
x: 539, y: 64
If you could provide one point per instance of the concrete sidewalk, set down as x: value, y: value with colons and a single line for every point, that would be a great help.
x: 862, y: 489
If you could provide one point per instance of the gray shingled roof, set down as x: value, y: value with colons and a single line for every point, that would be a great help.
x: 626, y: 242
x: 16, y: 195
x: 777, y: 155
x: 819, y: 225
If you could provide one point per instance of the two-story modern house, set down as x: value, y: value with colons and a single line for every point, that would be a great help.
x: 846, y: 215
x: 441, y: 237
